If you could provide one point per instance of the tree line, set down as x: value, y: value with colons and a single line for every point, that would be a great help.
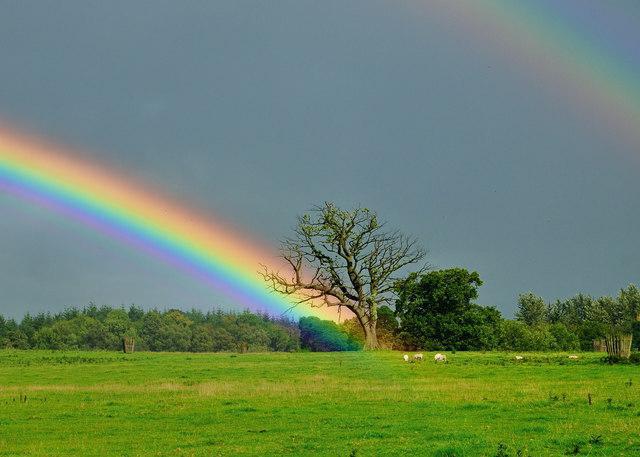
x: 436, y: 310
x: 433, y: 310
x: 348, y: 258
x: 105, y: 327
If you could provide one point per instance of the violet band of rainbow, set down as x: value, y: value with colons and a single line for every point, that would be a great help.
x: 595, y: 75
x: 99, y: 199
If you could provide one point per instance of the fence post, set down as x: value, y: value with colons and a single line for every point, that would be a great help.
x: 619, y: 345
x: 128, y: 344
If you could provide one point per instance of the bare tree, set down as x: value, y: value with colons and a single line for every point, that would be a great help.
x: 344, y: 258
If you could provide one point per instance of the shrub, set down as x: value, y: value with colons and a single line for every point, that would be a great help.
x: 565, y: 340
x: 319, y: 335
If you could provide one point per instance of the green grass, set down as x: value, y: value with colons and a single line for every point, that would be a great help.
x: 338, y: 404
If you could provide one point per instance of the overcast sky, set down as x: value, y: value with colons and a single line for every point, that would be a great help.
x: 256, y: 111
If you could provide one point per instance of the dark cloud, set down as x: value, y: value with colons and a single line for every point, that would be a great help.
x: 258, y: 110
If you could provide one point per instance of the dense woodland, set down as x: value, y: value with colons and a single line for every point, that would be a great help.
x: 433, y: 311
x: 105, y: 328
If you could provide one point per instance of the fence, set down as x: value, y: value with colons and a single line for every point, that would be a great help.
x: 599, y: 345
x: 619, y: 345
x: 128, y: 344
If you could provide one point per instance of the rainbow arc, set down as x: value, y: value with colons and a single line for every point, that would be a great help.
x: 106, y: 201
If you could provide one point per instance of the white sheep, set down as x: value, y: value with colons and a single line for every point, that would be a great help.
x: 519, y: 357
x: 440, y: 357
x: 573, y: 357
x: 418, y: 357
x: 405, y: 357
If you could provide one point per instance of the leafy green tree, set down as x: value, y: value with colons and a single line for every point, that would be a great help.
x: 283, y: 339
x: 478, y: 328
x: 196, y: 316
x: 630, y: 297
x: 175, y: 332
x: 48, y: 338
x: 222, y: 340
x: 68, y: 314
x: 118, y: 325
x: 589, y: 331
x: 565, y: 339
x: 518, y: 336
x: 576, y: 310
x: 72, y: 333
x: 635, y: 332
x: 11, y: 335
x: 135, y: 313
x: 615, y: 314
x: 532, y: 309
x: 91, y: 310
x: 28, y: 326
x: 387, y: 321
x: 617, y: 317
x: 575, y: 313
x: 16, y: 339
x: 35, y: 323
x: 436, y: 312
x: 201, y: 338
x: 151, y: 331
x: 541, y: 338
x: 438, y: 292
x: 514, y: 336
x: 98, y: 337
x: 250, y: 337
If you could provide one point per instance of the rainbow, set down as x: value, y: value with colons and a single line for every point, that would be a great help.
x: 574, y: 65
x: 557, y: 50
x: 111, y: 203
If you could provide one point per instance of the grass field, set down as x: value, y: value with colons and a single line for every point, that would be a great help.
x: 339, y: 404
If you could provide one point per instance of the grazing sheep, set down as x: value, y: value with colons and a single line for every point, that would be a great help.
x: 405, y: 357
x: 440, y: 358
x: 573, y: 357
x: 519, y: 357
x: 417, y: 357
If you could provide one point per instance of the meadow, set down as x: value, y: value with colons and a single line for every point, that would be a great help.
x: 338, y: 404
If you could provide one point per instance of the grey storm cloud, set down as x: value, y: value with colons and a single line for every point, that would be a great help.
x: 255, y: 111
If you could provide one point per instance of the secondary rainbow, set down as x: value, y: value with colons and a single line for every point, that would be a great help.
x: 113, y: 204
x: 579, y: 67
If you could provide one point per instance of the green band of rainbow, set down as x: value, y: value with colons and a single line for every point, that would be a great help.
x: 552, y: 48
x: 101, y: 199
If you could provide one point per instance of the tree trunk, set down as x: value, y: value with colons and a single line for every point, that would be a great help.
x: 368, y: 324
x: 370, y: 337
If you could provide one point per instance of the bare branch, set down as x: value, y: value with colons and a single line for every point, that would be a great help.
x: 343, y: 258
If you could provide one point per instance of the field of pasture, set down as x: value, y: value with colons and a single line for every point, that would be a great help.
x: 338, y: 404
